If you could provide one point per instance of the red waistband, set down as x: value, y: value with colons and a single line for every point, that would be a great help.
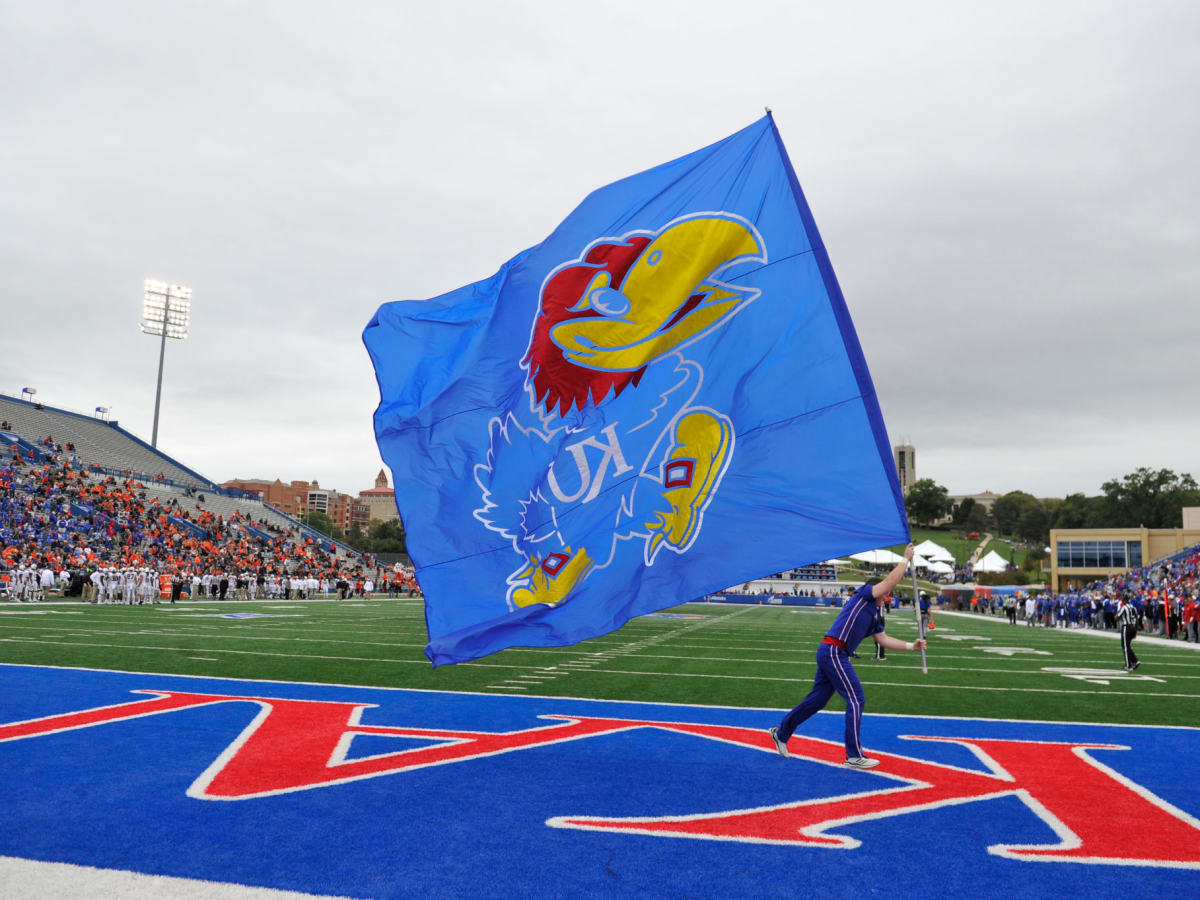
x: 830, y: 639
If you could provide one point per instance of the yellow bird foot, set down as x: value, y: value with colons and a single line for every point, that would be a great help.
x: 549, y: 579
x: 690, y: 476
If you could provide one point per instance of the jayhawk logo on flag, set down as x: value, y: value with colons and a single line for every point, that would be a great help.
x: 663, y: 398
x: 608, y: 336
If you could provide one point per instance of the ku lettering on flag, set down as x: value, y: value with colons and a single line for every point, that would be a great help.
x: 663, y: 398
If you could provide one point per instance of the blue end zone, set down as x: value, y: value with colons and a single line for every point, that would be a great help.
x: 116, y: 795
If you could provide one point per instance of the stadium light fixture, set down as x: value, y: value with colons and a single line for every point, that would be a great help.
x: 166, y: 313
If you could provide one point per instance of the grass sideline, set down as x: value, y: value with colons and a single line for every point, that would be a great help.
x: 697, y: 653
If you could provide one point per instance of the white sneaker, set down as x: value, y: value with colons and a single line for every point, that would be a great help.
x: 860, y: 762
x: 781, y: 746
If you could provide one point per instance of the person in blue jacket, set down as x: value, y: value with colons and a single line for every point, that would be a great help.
x: 860, y: 617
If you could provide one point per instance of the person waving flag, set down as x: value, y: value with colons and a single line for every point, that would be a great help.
x: 861, y: 617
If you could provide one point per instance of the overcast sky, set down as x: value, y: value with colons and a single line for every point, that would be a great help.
x: 1010, y: 197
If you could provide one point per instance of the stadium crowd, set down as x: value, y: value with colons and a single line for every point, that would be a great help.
x: 1166, y: 595
x: 67, y: 530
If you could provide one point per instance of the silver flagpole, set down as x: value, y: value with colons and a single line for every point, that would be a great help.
x: 920, y: 620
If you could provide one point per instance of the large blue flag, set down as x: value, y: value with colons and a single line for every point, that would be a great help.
x: 663, y: 398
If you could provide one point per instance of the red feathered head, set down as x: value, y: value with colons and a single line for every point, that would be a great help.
x: 558, y: 383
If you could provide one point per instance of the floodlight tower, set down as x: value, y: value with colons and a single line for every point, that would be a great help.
x: 166, y: 314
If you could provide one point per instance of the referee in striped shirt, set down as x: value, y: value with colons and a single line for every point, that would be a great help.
x: 1127, y: 615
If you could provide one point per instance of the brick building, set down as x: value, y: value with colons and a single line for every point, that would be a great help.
x: 298, y: 498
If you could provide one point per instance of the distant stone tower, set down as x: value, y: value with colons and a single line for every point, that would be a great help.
x: 379, y: 500
x: 906, y: 465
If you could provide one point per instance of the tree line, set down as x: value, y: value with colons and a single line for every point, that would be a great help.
x: 1147, y: 497
x: 380, y: 537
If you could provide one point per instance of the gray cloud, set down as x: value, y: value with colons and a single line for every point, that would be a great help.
x: 1008, y: 195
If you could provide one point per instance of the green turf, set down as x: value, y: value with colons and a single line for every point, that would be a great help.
x: 760, y: 656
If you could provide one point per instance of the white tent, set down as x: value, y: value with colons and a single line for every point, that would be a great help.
x: 993, y: 562
x: 935, y: 552
x: 837, y: 563
x: 941, y: 568
x: 878, y: 557
x: 919, y: 562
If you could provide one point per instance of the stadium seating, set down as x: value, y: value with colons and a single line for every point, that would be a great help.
x: 70, y: 518
x: 118, y: 452
x: 96, y: 442
x: 815, y: 572
x: 14, y: 443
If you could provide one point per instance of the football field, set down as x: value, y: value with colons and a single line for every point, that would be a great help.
x: 214, y: 749
x: 698, y: 653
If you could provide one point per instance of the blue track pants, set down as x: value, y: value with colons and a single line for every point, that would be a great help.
x: 834, y: 673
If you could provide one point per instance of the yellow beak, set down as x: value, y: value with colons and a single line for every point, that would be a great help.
x: 653, y: 312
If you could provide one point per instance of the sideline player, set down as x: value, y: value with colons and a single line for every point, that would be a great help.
x: 884, y: 608
x: 859, y: 617
x: 926, y: 614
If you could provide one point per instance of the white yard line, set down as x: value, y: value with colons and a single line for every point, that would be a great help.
x: 230, y: 637
x: 591, y: 660
x: 544, y: 674
x: 631, y: 649
x: 566, y: 697
x: 26, y: 879
x: 415, y: 662
x: 913, y: 666
x: 908, y: 684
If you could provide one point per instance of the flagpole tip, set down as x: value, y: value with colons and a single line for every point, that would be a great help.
x: 767, y: 110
